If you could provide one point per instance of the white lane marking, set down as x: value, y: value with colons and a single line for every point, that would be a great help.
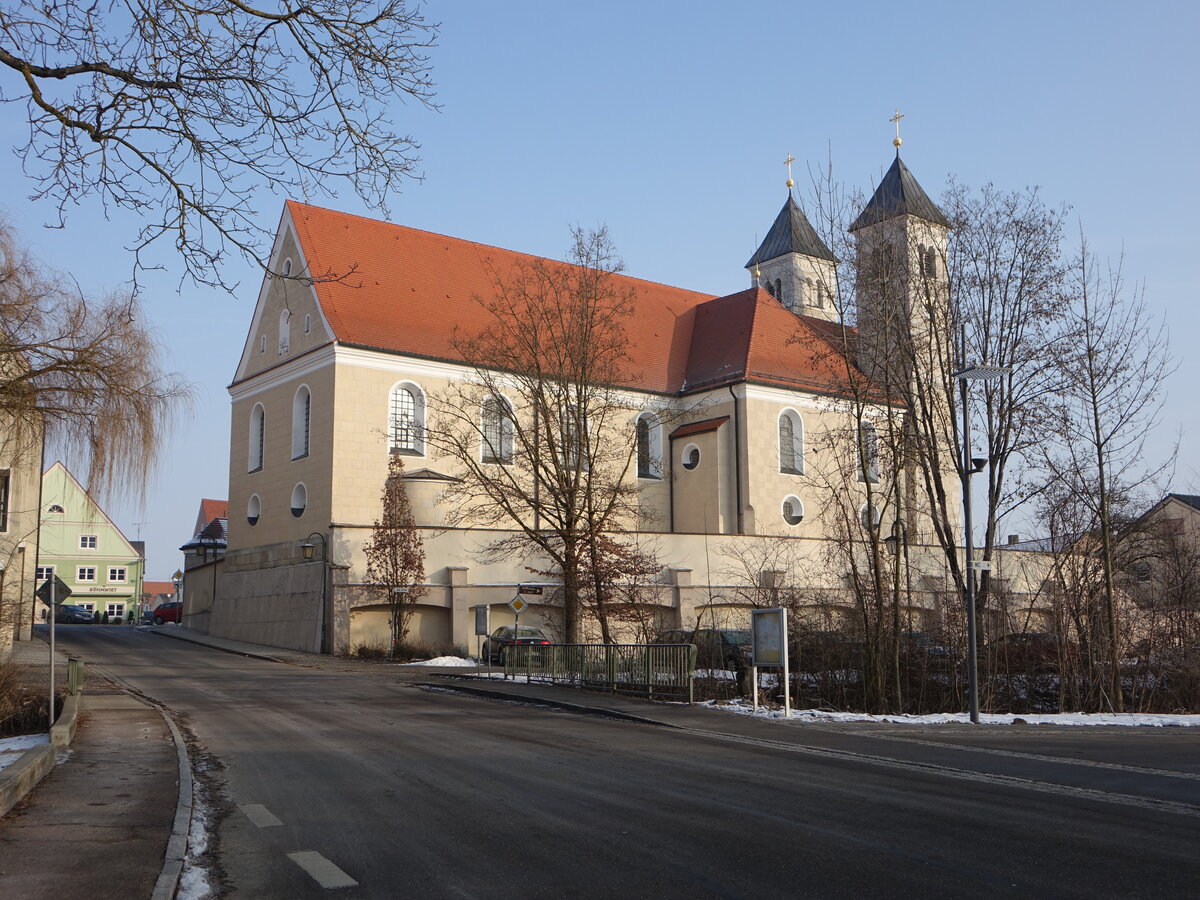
x: 1038, y: 757
x: 325, y: 873
x: 259, y: 815
x: 1029, y: 784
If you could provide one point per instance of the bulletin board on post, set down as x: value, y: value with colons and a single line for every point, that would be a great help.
x: 769, y: 649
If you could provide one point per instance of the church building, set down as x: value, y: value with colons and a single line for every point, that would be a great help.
x: 732, y: 399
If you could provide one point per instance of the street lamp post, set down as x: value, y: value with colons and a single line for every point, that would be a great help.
x: 970, y: 466
x: 306, y: 549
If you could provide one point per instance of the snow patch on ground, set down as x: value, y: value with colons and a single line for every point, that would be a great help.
x: 1072, y: 719
x: 193, y: 880
x: 443, y: 661
x: 12, y: 748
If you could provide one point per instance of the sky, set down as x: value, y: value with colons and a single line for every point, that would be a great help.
x: 669, y: 122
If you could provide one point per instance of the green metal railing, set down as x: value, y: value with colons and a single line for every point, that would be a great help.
x: 664, y: 671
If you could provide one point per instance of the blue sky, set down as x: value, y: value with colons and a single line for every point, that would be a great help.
x: 669, y: 122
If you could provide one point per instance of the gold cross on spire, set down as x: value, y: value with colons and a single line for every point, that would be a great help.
x: 896, y: 119
x: 788, y: 162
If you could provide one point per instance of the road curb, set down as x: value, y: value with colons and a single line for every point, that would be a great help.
x: 177, y: 844
x: 578, y: 708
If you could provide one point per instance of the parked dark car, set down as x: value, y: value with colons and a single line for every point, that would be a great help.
x: 70, y: 614
x: 495, y: 644
x: 716, y: 648
x: 1028, y: 651
x: 826, y: 651
x: 171, y: 611
x: 923, y: 652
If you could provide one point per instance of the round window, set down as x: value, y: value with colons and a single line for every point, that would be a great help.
x: 299, y: 500
x: 691, y: 457
x: 793, y: 510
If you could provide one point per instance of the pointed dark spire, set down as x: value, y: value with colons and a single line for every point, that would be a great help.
x: 790, y: 233
x: 899, y: 195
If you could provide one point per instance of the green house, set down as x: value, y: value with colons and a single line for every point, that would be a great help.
x: 79, y: 543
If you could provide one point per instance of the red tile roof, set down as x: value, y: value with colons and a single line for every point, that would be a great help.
x: 705, y: 425
x: 209, y: 510
x: 405, y: 291
x: 158, y: 587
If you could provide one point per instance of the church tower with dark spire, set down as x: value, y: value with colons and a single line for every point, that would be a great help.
x: 794, y: 265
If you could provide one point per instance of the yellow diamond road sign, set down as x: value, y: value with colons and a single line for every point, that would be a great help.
x: 518, y: 604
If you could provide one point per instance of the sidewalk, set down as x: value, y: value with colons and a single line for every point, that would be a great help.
x: 98, y: 825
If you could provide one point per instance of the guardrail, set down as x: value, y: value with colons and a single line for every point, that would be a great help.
x: 649, y: 670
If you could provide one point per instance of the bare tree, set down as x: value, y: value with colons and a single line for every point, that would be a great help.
x: 1112, y: 368
x: 180, y: 111
x: 395, y: 557
x: 86, y: 371
x: 542, y: 433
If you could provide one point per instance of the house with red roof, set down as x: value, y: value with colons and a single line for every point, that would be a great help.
x: 356, y: 337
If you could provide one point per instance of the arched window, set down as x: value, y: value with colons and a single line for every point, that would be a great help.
x: 301, y: 416
x: 307, y: 324
x: 778, y: 292
x: 287, y: 267
x: 253, y: 509
x: 791, y: 442
x: 258, y: 431
x: 299, y: 500
x: 497, y: 430
x: 55, y: 508
x: 285, y: 331
x: 929, y: 263
x: 868, y: 453
x: 649, y: 446
x: 793, y: 510
x: 406, y: 420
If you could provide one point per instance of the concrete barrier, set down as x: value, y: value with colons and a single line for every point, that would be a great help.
x: 37, y: 762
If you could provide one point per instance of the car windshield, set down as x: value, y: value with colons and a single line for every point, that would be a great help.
x: 529, y: 632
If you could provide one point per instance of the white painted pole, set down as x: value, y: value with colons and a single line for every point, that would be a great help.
x: 787, y: 680
x: 53, y: 605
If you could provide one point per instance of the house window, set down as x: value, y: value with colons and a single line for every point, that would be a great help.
x: 258, y: 433
x: 55, y: 508
x: 929, y: 263
x: 301, y: 415
x: 406, y: 420
x: 116, y: 574
x: 868, y: 453
x: 285, y: 331
x: 43, y: 573
x: 574, y: 451
x: 791, y: 443
x: 497, y: 431
x: 869, y: 515
x: 793, y: 510
x: 116, y: 609
x: 5, y: 483
x: 85, y: 573
x: 691, y: 457
x: 299, y: 500
x: 87, y: 542
x: 649, y: 447
x: 253, y: 510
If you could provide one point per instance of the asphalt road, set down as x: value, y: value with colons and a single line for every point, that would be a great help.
x: 331, y: 775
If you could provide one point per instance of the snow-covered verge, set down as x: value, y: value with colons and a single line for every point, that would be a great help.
x: 824, y: 717
x: 444, y: 662
x: 12, y: 748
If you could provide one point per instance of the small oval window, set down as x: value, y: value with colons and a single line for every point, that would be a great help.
x: 299, y: 500
x: 691, y: 457
x: 793, y: 510
x: 253, y: 510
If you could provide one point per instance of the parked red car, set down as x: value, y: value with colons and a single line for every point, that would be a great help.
x: 171, y: 611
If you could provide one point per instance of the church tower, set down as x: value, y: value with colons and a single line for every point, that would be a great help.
x: 793, y: 263
x: 906, y: 335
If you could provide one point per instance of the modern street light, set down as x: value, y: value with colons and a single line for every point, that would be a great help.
x: 970, y: 466
x: 307, y: 549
